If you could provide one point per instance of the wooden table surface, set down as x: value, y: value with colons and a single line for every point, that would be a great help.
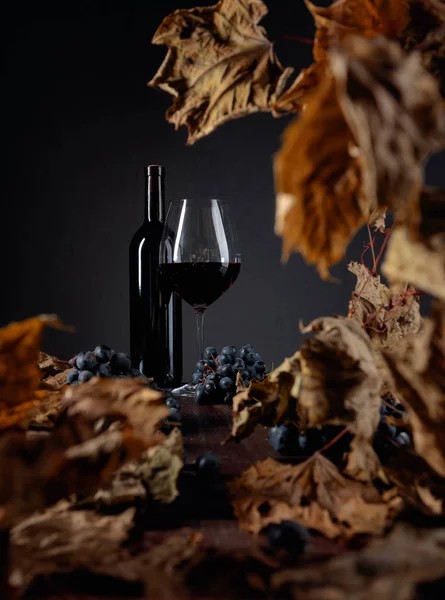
x: 202, y: 506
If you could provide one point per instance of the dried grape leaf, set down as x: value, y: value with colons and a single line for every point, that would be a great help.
x: 320, y: 204
x: 418, y: 368
x: 60, y: 539
x: 43, y: 416
x: 388, y: 568
x: 19, y: 373
x: 153, y: 475
x: 219, y: 66
x: 417, y: 254
x: 267, y: 403
x: 359, y: 145
x: 425, y: 33
x: 313, y: 493
x: 98, y: 431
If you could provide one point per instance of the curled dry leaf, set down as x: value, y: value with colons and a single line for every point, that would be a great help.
x: 388, y: 568
x: 267, y: 403
x: 426, y: 34
x: 417, y: 254
x: 153, y: 475
x: 19, y: 373
x: 360, y: 145
x: 53, y: 372
x: 341, y: 385
x: 220, y: 65
x: 99, y: 429
x: 386, y: 315
x: 418, y: 368
x: 417, y: 483
x: 313, y: 493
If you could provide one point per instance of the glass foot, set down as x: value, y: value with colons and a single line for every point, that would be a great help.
x: 186, y: 391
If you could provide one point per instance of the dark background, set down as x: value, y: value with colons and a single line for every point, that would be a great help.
x: 79, y: 124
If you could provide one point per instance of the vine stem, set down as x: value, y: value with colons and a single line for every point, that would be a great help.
x: 371, y: 245
x: 334, y: 440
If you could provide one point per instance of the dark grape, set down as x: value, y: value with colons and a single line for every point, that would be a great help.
x: 210, y: 353
x: 224, y: 359
x: 229, y: 350
x: 245, y: 374
x: 85, y: 376
x: 209, y: 464
x: 209, y: 388
x: 252, y: 371
x: 86, y: 361
x: 228, y: 397
x: 403, y: 439
x: 249, y: 359
x: 302, y: 441
x: 211, y: 364
x: 226, y: 383
x: 279, y: 437
x: 259, y: 366
x: 239, y: 364
x: 212, y: 377
x: 175, y: 415
x: 225, y: 371
x: 200, y: 396
x: 290, y: 536
x: 259, y: 377
x: 72, y: 376
x: 201, y: 366
x: 197, y: 376
x: 172, y: 403
x: 103, y: 353
x: 120, y: 362
x: 135, y: 373
x: 104, y: 371
x: 258, y: 357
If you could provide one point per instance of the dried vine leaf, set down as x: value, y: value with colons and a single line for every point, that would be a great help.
x: 418, y: 368
x: 313, y: 493
x: 320, y: 204
x: 417, y: 254
x: 359, y: 145
x: 395, y: 124
x: 43, y: 417
x: 426, y: 34
x: 267, y: 403
x: 153, y: 475
x: 60, y: 539
x: 53, y: 372
x: 220, y: 65
x: 341, y: 385
x: 388, y: 568
x: 417, y: 483
x: 98, y: 431
x: 19, y: 374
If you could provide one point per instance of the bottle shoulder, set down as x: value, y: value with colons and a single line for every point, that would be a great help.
x: 149, y: 233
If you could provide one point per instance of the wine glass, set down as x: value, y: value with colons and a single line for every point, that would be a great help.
x: 199, y: 258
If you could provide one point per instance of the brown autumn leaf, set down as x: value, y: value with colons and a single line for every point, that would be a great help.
x: 396, y: 124
x: 389, y: 568
x: 387, y: 315
x: 315, y: 494
x: 367, y: 18
x: 360, y: 145
x: 341, y: 385
x: 220, y: 65
x: 267, y: 403
x: 425, y: 33
x: 98, y: 430
x: 417, y: 254
x: 417, y: 483
x: 53, y: 371
x: 153, y: 475
x: 19, y: 373
x: 418, y: 368
x: 43, y: 417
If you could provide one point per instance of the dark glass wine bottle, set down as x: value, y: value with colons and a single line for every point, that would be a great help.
x: 155, y: 317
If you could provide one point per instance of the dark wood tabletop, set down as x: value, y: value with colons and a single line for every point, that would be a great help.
x: 202, y: 505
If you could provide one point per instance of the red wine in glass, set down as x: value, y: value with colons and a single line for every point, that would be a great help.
x: 200, y: 284
x: 198, y: 258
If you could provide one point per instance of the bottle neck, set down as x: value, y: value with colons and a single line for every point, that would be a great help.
x: 154, y: 194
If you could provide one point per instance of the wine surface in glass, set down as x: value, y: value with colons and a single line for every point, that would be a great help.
x: 200, y: 283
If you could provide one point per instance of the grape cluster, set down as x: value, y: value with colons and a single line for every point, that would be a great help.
x: 102, y: 362
x: 216, y: 374
x: 289, y: 536
x: 174, y: 418
x: 389, y: 438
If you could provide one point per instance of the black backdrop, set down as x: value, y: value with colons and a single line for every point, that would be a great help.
x: 79, y: 124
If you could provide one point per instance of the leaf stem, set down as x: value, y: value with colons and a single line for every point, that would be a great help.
x: 334, y: 440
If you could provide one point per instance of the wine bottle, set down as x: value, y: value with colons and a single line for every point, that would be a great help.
x: 155, y: 317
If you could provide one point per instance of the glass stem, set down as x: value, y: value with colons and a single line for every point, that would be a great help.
x: 200, y: 331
